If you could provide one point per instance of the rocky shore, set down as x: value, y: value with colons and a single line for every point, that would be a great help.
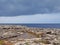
x: 23, y: 35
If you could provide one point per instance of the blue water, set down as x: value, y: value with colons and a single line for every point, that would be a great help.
x: 43, y: 25
x: 39, y: 25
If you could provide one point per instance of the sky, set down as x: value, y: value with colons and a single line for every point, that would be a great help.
x: 29, y: 11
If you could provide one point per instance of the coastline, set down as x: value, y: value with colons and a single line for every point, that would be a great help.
x: 23, y: 35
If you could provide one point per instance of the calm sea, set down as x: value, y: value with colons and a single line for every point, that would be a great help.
x: 38, y: 25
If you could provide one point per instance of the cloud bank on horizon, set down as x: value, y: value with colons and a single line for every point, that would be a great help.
x: 28, y: 7
x: 37, y: 18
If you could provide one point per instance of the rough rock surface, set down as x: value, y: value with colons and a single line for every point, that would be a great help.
x: 22, y: 35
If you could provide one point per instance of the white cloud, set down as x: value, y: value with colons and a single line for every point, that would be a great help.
x: 38, y: 18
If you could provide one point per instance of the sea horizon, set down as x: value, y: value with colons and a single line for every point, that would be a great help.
x: 36, y: 25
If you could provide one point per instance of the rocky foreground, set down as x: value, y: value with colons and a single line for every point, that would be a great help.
x: 22, y: 35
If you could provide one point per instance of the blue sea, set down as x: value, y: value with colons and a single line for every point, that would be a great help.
x: 38, y: 25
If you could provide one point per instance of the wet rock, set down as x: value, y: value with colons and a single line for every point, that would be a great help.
x: 48, y: 32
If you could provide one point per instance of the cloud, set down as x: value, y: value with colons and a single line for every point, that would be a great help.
x: 37, y: 18
x: 28, y: 7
